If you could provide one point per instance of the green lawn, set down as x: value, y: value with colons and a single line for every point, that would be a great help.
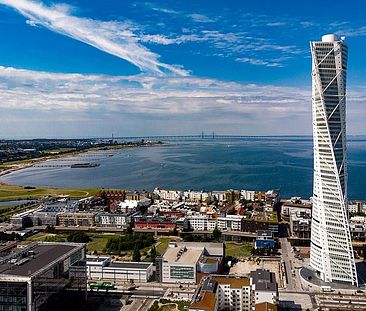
x: 13, y: 192
x: 239, y: 249
x: 98, y: 242
x: 162, y: 245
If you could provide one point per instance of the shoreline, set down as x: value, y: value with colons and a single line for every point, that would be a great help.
x: 23, y: 164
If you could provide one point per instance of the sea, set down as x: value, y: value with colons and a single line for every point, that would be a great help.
x: 251, y: 163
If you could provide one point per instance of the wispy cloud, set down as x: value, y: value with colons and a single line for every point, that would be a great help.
x: 157, y: 103
x: 116, y: 38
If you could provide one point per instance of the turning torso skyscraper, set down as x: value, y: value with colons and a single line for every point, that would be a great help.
x: 331, y: 252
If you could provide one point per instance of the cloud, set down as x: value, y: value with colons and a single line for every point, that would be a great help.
x: 115, y: 38
x: 157, y: 105
x: 255, y: 61
x: 200, y: 18
x: 276, y: 24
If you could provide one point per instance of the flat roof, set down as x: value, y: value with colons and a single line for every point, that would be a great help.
x: 44, y: 255
x: 188, y: 257
x: 234, y: 282
x: 130, y: 265
x: 207, y: 302
x: 265, y: 306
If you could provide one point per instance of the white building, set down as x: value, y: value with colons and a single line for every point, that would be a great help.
x: 247, y: 195
x: 131, y: 205
x: 233, y: 293
x: 169, y: 195
x: 264, y: 287
x: 331, y: 252
x: 102, y: 268
x: 230, y: 223
x: 113, y: 220
x: 182, y: 261
x: 201, y: 222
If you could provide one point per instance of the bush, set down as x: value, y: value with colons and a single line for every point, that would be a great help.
x: 78, y: 237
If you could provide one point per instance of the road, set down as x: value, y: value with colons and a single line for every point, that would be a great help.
x: 292, y: 274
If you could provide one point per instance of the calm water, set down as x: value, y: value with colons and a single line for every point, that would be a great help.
x: 245, y: 163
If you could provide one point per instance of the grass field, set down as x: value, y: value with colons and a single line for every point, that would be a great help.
x: 239, y: 249
x: 13, y: 192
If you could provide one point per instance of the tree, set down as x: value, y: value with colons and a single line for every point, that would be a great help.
x: 136, y: 255
x: 78, y: 237
x: 216, y: 234
x: 153, y: 253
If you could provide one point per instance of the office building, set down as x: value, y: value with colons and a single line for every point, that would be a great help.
x: 331, y: 252
x: 183, y: 261
x: 34, y: 276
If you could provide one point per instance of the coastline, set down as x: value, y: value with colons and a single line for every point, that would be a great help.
x: 23, y: 164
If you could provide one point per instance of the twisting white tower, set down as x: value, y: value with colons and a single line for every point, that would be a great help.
x: 331, y: 252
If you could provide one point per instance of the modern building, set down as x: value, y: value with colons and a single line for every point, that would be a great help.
x: 35, y: 276
x: 264, y: 239
x: 183, y: 261
x: 234, y: 293
x: 103, y: 268
x: 264, y: 287
x: 230, y: 223
x: 300, y: 223
x: 331, y: 252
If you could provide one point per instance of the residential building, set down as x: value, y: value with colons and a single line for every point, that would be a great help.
x: 300, y: 223
x: 76, y: 219
x: 199, y: 222
x: 119, y: 220
x: 168, y: 195
x: 234, y: 293
x: 331, y: 251
x: 230, y: 223
x: 247, y: 195
x: 264, y: 287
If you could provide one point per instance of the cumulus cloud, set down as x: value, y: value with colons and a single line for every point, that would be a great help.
x: 115, y: 38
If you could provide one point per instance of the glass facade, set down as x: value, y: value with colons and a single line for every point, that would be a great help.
x: 13, y: 296
x: 178, y: 272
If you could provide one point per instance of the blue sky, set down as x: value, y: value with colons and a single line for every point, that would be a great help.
x: 83, y: 68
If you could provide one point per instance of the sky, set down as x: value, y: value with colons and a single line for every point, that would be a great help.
x: 87, y: 68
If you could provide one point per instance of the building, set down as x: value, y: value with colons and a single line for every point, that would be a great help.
x: 182, y: 262
x: 37, y: 275
x: 201, y: 222
x: 331, y: 252
x: 132, y: 205
x: 234, y: 293
x: 103, y: 268
x: 300, y: 223
x: 358, y: 228
x: 264, y: 239
x: 357, y: 207
x: 264, y: 287
x: 119, y: 220
x: 230, y: 223
x: 247, y: 195
x: 76, y: 219
x: 168, y: 195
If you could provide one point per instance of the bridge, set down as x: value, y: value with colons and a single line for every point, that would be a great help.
x: 203, y: 136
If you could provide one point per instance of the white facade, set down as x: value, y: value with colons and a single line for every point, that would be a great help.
x: 131, y: 205
x: 233, y: 297
x: 169, y: 195
x: 102, y: 268
x: 331, y: 252
x: 112, y: 220
x: 201, y: 223
x: 230, y: 222
x: 248, y: 195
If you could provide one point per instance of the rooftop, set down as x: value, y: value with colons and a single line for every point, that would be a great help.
x: 207, y: 302
x: 130, y: 265
x: 183, y: 255
x: 265, y: 306
x: 42, y: 255
x: 234, y: 282
x: 264, y: 280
